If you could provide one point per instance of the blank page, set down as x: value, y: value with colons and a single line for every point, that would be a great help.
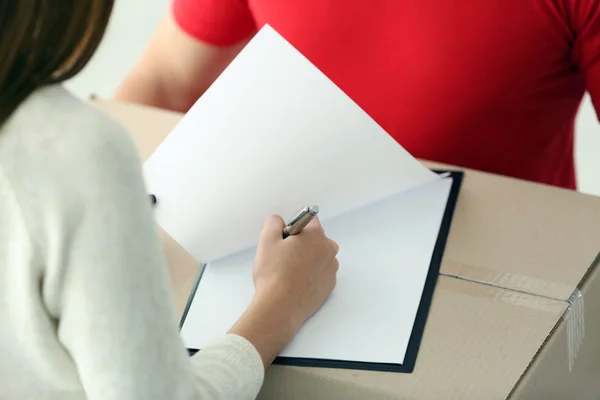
x: 385, y: 255
x: 271, y: 135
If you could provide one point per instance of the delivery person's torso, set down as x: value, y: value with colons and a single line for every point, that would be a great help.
x: 484, y: 84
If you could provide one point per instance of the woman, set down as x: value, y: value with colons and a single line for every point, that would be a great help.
x: 84, y: 294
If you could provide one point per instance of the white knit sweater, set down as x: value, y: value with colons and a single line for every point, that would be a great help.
x: 85, y: 307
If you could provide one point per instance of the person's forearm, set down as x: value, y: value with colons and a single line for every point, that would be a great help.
x: 135, y: 89
x: 144, y: 88
x: 268, y: 326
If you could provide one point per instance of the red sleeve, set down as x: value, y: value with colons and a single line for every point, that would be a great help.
x: 586, y: 51
x: 217, y: 22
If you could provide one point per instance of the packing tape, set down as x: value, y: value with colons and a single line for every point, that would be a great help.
x: 515, y: 298
x: 507, y: 280
x: 531, y: 301
x: 574, y: 316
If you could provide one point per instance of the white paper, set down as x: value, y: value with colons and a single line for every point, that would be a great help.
x: 271, y: 135
x: 385, y: 253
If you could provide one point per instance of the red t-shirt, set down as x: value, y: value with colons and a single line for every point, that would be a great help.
x: 492, y: 85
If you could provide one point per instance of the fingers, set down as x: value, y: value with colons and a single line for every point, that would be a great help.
x: 274, y: 225
x: 333, y: 267
x: 335, y: 264
x: 315, y: 225
x: 335, y: 248
x: 273, y: 228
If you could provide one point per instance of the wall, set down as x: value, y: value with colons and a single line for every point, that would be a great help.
x: 587, y: 149
x: 131, y: 25
x: 133, y: 22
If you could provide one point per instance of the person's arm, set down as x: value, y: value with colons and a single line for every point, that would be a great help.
x: 107, y: 287
x: 293, y: 277
x: 191, y: 47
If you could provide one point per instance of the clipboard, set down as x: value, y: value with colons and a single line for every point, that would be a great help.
x: 420, y: 320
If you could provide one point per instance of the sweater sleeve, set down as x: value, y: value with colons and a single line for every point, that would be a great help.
x: 107, y: 286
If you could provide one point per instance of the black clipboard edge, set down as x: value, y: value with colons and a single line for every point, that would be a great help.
x: 190, y: 299
x: 416, y: 336
x: 422, y: 312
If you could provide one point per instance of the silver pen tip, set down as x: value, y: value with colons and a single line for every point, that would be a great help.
x: 313, y: 210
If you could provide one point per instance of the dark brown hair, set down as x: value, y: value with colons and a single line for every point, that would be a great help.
x: 44, y: 42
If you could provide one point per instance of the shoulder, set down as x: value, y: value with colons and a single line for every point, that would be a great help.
x: 63, y: 157
x: 58, y: 136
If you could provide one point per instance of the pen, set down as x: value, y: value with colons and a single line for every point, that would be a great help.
x: 296, y: 224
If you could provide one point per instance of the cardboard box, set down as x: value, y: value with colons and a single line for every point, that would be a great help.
x: 516, y: 311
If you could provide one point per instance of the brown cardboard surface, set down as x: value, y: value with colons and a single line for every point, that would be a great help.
x: 515, y: 254
x: 549, y: 376
x: 183, y: 270
x: 521, y: 235
x: 477, y: 342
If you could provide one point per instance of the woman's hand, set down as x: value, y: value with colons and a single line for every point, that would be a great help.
x: 293, y: 277
x: 298, y: 272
